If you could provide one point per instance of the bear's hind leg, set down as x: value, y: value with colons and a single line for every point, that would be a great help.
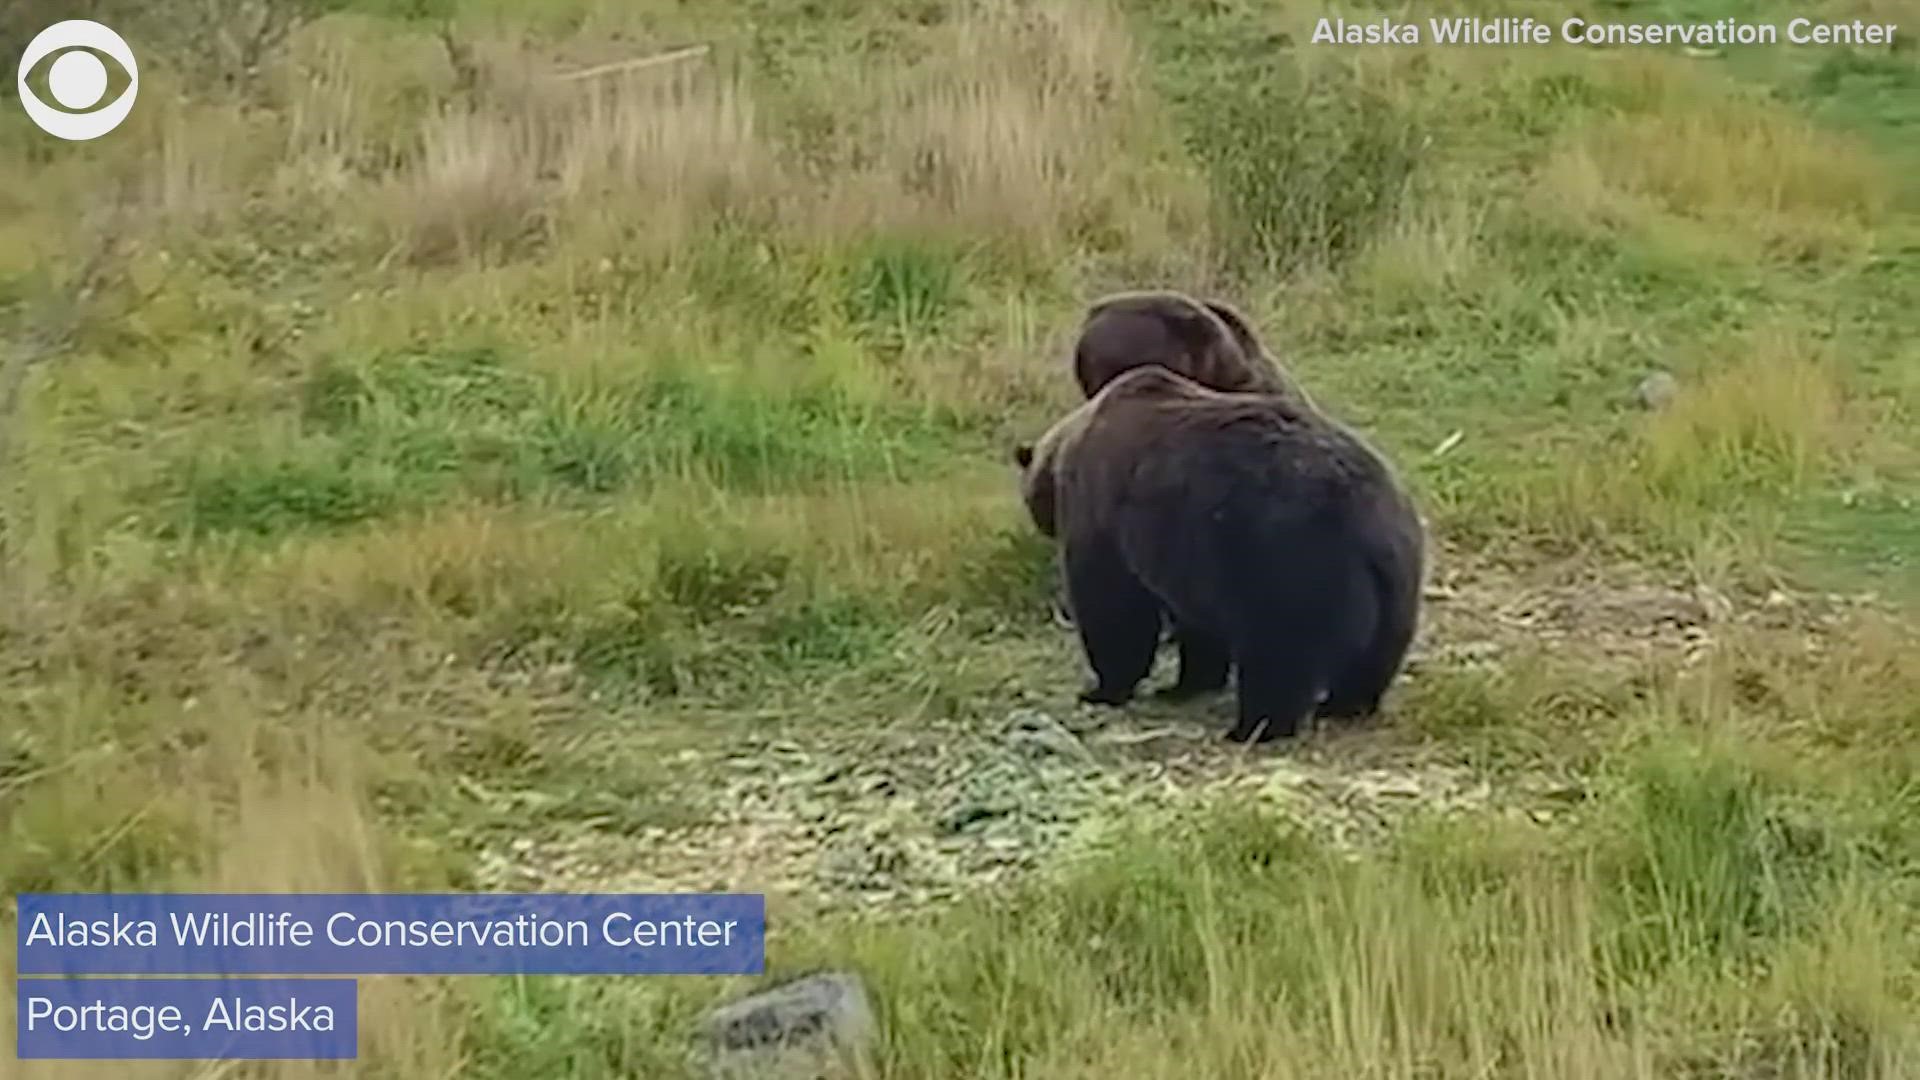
x: 1118, y: 621
x: 1357, y: 690
x: 1277, y: 694
x: 1204, y: 664
x: 1348, y: 706
x: 1294, y: 642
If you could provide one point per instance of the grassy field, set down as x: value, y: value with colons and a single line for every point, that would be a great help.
x: 418, y: 471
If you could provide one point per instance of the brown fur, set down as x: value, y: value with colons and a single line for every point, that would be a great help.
x: 1207, y: 341
x: 1279, y: 541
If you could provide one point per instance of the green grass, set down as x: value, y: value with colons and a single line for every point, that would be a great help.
x: 448, y: 480
x: 404, y: 431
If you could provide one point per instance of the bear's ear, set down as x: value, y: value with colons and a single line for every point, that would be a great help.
x: 1238, y: 325
x: 1023, y: 455
x: 1231, y: 316
x: 1198, y: 326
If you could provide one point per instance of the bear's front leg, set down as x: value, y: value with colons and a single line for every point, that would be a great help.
x: 1118, y: 621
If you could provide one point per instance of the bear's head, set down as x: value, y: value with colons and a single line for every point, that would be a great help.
x: 1208, y: 341
x: 1038, y: 462
x: 1167, y: 328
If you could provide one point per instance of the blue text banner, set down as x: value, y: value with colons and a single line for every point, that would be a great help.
x: 391, y: 934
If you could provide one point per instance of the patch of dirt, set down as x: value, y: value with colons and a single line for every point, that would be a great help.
x: 911, y: 815
x: 1612, y: 616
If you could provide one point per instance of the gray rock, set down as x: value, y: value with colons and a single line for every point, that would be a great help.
x: 1036, y: 734
x: 1656, y: 391
x: 818, y: 1026
x: 969, y: 812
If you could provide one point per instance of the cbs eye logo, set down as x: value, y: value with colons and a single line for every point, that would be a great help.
x: 77, y: 80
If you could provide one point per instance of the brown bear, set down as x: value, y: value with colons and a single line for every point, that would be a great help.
x: 1205, y: 340
x: 1282, y: 544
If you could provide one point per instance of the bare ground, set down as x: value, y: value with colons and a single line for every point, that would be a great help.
x: 911, y: 812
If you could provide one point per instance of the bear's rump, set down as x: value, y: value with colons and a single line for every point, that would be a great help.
x: 1257, y: 578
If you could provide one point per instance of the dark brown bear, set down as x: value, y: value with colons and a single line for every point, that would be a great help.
x: 1208, y: 341
x: 1205, y: 340
x: 1281, y: 543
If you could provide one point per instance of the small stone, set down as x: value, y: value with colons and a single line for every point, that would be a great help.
x: 1714, y: 604
x: 1564, y: 791
x: 1656, y: 391
x: 968, y: 813
x: 818, y: 1025
x: 1040, y: 735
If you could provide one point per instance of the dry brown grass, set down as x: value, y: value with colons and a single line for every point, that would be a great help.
x: 1774, y: 408
x: 1030, y: 127
x: 1762, y: 417
x: 473, y: 196
x: 1724, y: 173
x: 1434, y: 245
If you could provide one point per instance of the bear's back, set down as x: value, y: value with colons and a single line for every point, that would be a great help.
x: 1160, y: 422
